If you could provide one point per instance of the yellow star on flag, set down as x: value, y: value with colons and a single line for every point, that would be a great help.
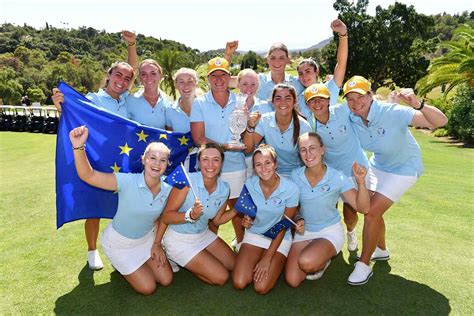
x: 163, y: 136
x: 183, y: 140
x: 125, y: 149
x: 142, y: 136
x: 115, y: 168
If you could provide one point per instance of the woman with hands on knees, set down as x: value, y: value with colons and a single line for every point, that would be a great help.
x: 395, y: 166
x: 188, y: 241
x: 261, y: 259
x: 319, y: 233
x: 132, y: 241
x: 112, y: 98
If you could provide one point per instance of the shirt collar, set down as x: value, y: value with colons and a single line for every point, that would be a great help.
x: 139, y: 94
x: 286, y: 80
x: 104, y: 93
x: 273, y: 122
x: 230, y: 101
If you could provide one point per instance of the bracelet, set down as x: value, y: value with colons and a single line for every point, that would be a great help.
x: 131, y: 45
x: 422, y: 105
x: 79, y: 148
x: 343, y: 35
x: 250, y: 129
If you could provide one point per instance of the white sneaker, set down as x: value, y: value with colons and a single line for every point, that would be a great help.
x: 318, y: 274
x: 174, y: 266
x: 351, y: 240
x: 93, y: 258
x: 236, y: 245
x: 361, y: 274
x: 378, y: 255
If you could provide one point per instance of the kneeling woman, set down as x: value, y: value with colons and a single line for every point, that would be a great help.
x: 188, y: 241
x: 319, y: 232
x: 260, y: 258
x: 132, y: 241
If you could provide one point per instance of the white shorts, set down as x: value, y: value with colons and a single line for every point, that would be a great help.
x: 264, y: 242
x: 181, y: 248
x: 333, y: 233
x: 236, y: 180
x: 125, y: 254
x: 391, y: 185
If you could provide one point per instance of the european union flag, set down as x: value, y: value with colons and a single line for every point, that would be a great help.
x: 284, y: 224
x: 115, y: 144
x: 245, y: 204
x: 178, y: 178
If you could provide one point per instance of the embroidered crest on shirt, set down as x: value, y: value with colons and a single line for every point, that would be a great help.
x: 342, y: 129
x: 325, y: 188
x: 381, y: 131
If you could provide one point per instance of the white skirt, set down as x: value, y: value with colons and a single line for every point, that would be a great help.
x: 264, y: 242
x: 236, y: 180
x: 334, y: 234
x: 391, y: 185
x: 181, y: 248
x: 125, y: 254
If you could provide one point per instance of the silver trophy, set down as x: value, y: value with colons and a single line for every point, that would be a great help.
x: 238, y: 121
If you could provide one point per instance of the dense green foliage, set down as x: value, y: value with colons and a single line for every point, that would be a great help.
x: 33, y: 59
x: 455, y: 67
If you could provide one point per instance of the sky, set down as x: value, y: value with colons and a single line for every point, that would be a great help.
x: 205, y: 24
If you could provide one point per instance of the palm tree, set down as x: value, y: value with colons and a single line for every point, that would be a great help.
x: 455, y: 67
x: 169, y: 63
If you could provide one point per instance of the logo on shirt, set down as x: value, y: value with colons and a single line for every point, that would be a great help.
x: 380, y: 131
x: 342, y: 129
x: 218, y: 203
x: 277, y: 201
x: 325, y: 188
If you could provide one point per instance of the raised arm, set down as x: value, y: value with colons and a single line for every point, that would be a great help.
x: 58, y: 98
x: 359, y: 199
x: 342, y: 51
x: 106, y: 181
x: 131, y: 40
x: 427, y: 115
x: 230, y: 48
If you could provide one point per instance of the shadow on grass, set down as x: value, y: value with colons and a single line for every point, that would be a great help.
x: 384, y: 294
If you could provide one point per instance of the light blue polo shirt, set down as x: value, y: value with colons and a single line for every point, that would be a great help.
x: 266, y: 85
x: 333, y: 92
x: 287, y: 154
x: 103, y: 100
x: 318, y: 204
x: 177, y: 119
x: 388, y: 137
x: 211, y: 204
x: 137, y: 208
x: 270, y: 211
x: 341, y: 142
x: 141, y: 111
x: 216, y: 121
x: 261, y: 106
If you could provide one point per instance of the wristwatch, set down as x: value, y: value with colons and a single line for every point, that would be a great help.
x: 187, y: 216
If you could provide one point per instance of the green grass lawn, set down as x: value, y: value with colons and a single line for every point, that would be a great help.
x: 429, y: 233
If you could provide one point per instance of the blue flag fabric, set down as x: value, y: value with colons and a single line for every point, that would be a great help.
x: 115, y: 144
x: 245, y: 204
x: 284, y: 224
x: 178, y: 178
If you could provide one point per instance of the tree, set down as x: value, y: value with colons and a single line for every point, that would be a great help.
x: 168, y: 61
x: 249, y: 60
x: 36, y: 95
x: 384, y: 48
x: 454, y: 68
x: 10, y: 89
